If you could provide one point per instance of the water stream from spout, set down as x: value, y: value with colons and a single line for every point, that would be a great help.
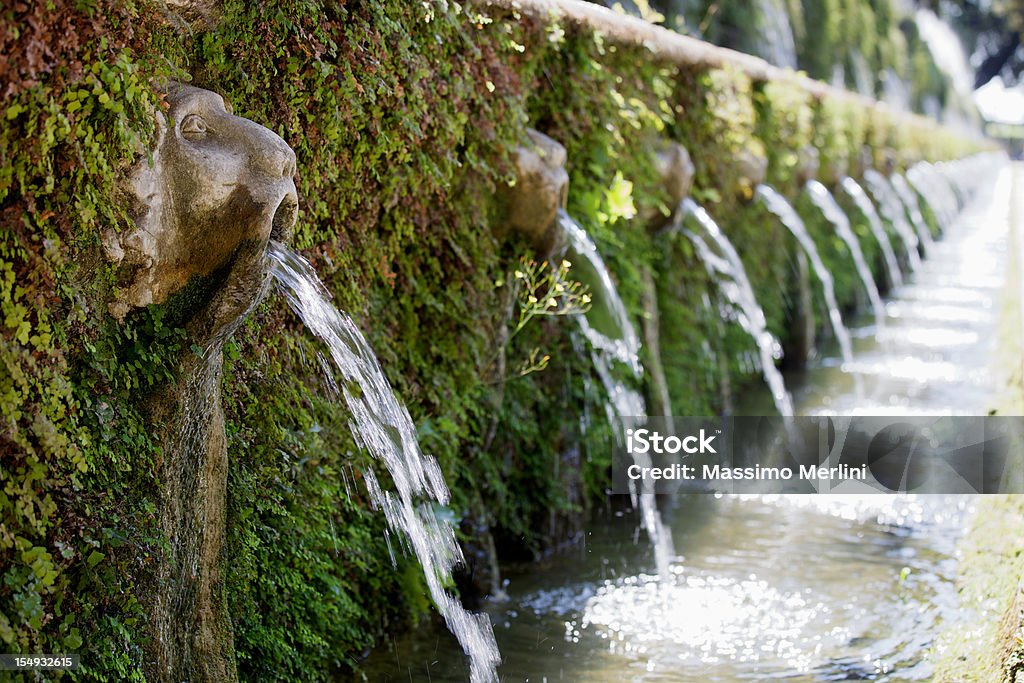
x: 863, y: 202
x: 892, y: 211
x: 613, y: 339
x: 909, y: 198
x: 785, y: 212
x: 382, y: 425
x: 726, y: 269
x: 776, y: 43
x: 834, y: 214
x: 928, y: 182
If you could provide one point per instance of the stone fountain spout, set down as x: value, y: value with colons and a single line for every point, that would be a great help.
x: 864, y: 161
x: 529, y: 207
x: 835, y: 169
x: 675, y: 175
x: 206, y: 201
x: 675, y: 171
x: 675, y: 167
x: 808, y: 164
x: 540, y: 189
x: 752, y: 168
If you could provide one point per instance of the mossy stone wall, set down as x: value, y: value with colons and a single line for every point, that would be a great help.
x: 402, y: 116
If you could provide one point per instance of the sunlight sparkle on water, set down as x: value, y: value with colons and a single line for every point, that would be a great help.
x: 709, y: 619
x: 930, y: 337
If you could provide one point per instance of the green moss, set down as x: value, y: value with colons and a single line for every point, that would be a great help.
x: 992, y: 562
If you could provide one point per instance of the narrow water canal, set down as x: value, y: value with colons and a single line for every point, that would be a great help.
x: 796, y: 588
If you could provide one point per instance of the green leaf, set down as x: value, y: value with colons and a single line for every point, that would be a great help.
x: 73, y: 640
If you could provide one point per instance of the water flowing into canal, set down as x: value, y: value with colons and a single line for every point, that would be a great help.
x: 381, y: 425
x: 785, y: 212
x: 607, y: 327
x: 613, y: 338
x: 864, y: 205
x: 724, y: 265
x: 932, y: 355
x: 893, y: 211
x: 834, y: 214
x: 803, y: 588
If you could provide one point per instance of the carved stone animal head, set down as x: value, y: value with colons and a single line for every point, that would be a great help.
x: 808, y: 163
x: 214, y: 191
x: 890, y: 161
x: 865, y: 160
x: 674, y: 177
x: 752, y: 168
x: 540, y: 190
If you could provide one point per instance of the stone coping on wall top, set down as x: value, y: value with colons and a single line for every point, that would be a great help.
x: 674, y: 47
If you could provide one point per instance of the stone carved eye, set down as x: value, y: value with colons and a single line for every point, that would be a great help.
x: 193, y: 127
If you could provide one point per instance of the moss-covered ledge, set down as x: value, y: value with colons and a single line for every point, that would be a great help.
x: 989, y: 645
x: 669, y: 46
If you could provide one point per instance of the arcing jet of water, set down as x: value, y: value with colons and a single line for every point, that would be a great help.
x: 382, y: 425
x: 834, y: 214
x: 909, y: 198
x: 863, y: 202
x: 892, y: 210
x: 778, y: 205
x: 726, y: 269
x: 618, y: 342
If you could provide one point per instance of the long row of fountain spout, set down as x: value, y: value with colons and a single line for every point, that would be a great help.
x: 895, y: 213
x: 900, y: 203
x: 535, y: 209
x: 236, y: 259
x: 834, y: 214
x: 785, y: 212
x: 613, y: 341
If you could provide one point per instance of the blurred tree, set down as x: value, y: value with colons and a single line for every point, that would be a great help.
x: 991, y: 30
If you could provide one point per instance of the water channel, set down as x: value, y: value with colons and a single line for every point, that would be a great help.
x: 794, y: 588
